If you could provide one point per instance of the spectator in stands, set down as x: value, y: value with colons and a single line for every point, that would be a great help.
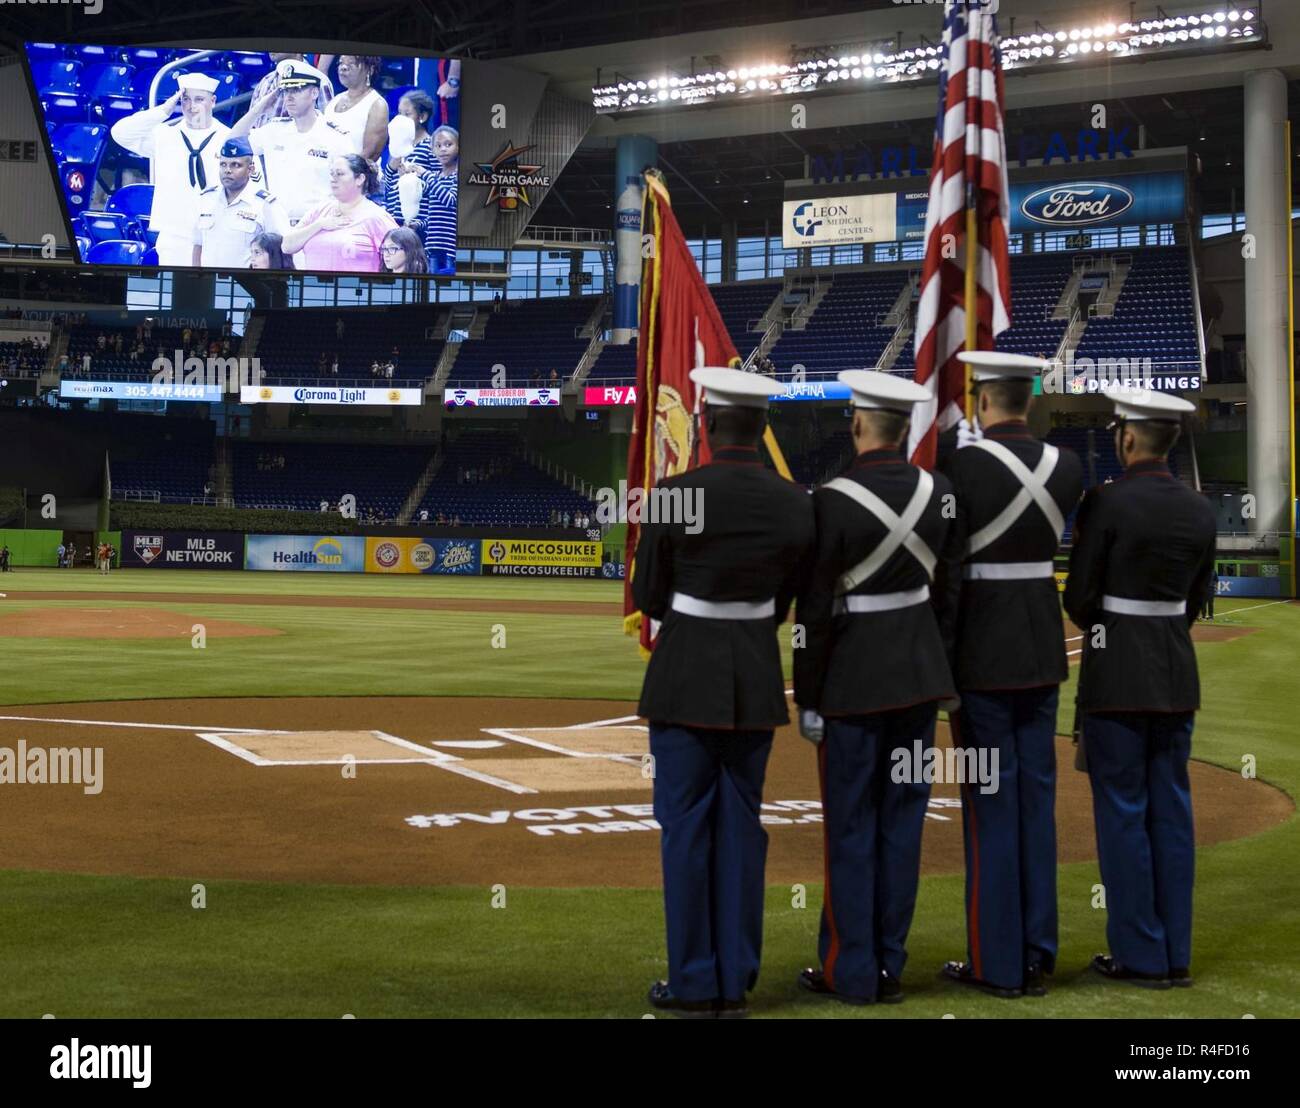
x: 566, y: 519
x: 346, y: 232
x: 496, y: 302
x: 338, y: 328
x: 334, y: 365
x: 101, y: 341
x: 388, y: 370
x: 403, y: 252
x: 266, y: 251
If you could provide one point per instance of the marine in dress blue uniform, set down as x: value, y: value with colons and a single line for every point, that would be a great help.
x: 1008, y: 654
x: 714, y: 692
x: 1143, y: 558
x: 868, y: 681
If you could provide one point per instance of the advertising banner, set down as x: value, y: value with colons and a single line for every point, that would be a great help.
x: 182, y: 550
x: 137, y: 390
x: 415, y: 555
x: 307, y: 553
x: 1086, y: 202
x: 329, y: 394
x: 502, y: 398
x: 541, y: 558
x: 599, y: 396
x: 865, y: 217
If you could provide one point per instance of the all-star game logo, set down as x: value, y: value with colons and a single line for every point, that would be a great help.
x: 508, y: 179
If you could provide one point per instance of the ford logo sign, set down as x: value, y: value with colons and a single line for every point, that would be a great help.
x: 1077, y: 204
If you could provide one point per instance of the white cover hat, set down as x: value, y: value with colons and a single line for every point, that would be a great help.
x: 994, y: 365
x: 886, y: 391
x: 198, y: 82
x: 1143, y: 404
x: 734, y: 388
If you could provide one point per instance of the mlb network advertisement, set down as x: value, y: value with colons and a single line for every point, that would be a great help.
x: 411, y: 555
x: 306, y: 553
x: 182, y: 550
x: 542, y: 558
x: 229, y: 159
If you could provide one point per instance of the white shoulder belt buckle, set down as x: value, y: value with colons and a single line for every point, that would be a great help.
x: 1126, y: 606
x: 723, y: 609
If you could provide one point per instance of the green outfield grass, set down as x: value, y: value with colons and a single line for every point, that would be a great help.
x: 93, y: 946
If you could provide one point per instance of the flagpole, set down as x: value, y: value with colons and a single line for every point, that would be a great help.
x: 972, y: 315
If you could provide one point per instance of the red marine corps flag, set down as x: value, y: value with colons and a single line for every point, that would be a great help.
x: 680, y: 328
x: 966, y: 276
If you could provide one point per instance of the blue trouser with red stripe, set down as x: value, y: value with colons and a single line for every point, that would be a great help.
x: 1142, y: 804
x: 708, y: 786
x: 873, y: 844
x: 1010, y: 833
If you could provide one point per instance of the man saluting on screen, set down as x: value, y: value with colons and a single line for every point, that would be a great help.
x: 296, y: 149
x: 183, y: 159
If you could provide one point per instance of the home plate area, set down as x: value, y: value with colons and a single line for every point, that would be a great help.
x: 439, y: 791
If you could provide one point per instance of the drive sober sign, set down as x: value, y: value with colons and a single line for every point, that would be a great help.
x: 182, y: 550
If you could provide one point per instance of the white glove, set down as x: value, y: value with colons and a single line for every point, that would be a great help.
x: 811, y: 726
x: 968, y: 435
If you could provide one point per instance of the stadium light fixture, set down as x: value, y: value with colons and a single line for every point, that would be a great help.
x: 1192, y: 31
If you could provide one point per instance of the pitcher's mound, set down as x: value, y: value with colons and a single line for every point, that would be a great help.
x: 120, y: 623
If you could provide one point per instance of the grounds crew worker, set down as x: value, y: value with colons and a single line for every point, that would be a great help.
x: 714, y: 692
x: 874, y: 666
x: 1142, y: 560
x: 1008, y: 646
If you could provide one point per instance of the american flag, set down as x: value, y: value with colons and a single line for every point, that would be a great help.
x: 969, y: 170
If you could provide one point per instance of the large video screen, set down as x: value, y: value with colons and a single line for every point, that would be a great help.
x: 228, y: 159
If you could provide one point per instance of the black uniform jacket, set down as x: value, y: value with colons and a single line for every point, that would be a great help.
x: 757, y: 533
x: 1006, y: 634
x: 1146, y: 536
x: 858, y: 663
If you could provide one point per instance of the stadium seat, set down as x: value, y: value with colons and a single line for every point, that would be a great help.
x: 116, y: 252
x: 110, y: 226
x: 58, y: 84
x: 83, y: 247
x: 133, y: 201
x: 81, y: 146
x: 110, y: 93
x: 44, y: 51
x: 96, y: 54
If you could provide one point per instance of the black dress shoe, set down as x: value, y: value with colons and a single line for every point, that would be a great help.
x: 1180, y: 978
x: 890, y: 989
x: 1110, y: 969
x: 731, y: 1009
x: 962, y: 973
x: 661, y: 998
x: 1035, y: 981
x: 815, y: 982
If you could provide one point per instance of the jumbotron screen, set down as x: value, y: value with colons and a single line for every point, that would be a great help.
x: 230, y: 159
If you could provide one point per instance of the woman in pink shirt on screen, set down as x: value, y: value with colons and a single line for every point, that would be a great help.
x: 345, y: 234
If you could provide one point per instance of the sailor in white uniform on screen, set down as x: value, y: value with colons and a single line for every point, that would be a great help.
x: 183, y: 155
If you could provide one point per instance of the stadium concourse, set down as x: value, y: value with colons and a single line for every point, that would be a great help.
x: 319, y: 374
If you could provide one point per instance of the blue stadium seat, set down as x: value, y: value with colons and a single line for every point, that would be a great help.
x: 133, y: 201
x: 110, y: 227
x: 83, y: 247
x: 81, y: 146
x: 44, y: 51
x: 96, y: 54
x: 58, y: 84
x: 150, y: 257
x: 116, y: 252
x: 110, y: 93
